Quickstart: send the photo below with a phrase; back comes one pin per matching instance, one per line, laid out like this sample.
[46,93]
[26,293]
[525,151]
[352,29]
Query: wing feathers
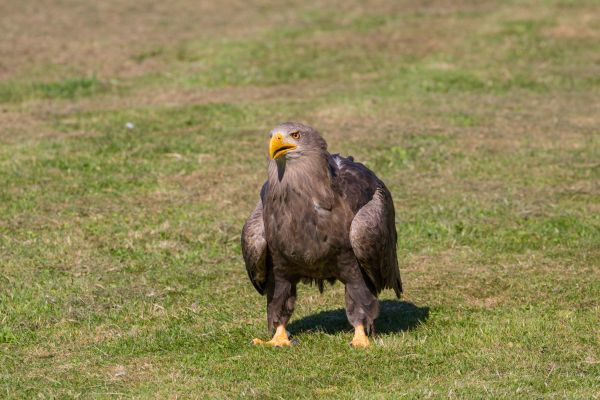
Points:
[254,248]
[373,240]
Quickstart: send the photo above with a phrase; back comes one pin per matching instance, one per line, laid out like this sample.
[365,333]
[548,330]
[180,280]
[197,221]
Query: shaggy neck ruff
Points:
[306,173]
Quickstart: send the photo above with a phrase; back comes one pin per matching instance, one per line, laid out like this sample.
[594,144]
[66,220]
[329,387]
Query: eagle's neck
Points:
[308,175]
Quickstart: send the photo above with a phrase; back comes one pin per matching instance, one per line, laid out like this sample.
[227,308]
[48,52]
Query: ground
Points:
[132,147]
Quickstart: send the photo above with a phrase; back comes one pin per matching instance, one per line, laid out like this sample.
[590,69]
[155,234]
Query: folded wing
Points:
[254,248]
[373,228]
[373,240]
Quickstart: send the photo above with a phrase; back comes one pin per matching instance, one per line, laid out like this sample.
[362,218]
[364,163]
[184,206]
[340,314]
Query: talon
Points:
[282,343]
[280,339]
[360,339]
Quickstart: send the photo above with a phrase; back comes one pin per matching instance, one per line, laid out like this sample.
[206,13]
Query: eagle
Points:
[320,217]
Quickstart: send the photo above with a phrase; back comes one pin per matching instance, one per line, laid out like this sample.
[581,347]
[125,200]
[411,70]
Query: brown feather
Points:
[254,248]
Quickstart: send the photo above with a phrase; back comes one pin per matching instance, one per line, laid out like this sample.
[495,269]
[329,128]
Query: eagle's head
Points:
[291,140]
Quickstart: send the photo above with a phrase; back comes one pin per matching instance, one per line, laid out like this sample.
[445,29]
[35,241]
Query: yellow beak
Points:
[278,147]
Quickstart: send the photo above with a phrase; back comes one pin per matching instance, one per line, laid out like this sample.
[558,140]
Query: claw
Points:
[280,339]
[273,342]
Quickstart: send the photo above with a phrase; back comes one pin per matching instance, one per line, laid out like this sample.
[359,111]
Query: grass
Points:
[129,163]
[66,89]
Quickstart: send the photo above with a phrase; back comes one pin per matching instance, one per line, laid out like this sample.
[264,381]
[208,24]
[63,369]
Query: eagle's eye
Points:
[295,135]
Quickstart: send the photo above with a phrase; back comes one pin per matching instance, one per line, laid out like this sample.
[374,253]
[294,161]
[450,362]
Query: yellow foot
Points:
[360,339]
[272,342]
[280,339]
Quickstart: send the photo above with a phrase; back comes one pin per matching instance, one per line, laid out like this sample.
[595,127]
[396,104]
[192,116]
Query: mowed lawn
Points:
[133,145]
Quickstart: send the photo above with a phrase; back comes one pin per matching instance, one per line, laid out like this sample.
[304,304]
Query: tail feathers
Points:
[397,287]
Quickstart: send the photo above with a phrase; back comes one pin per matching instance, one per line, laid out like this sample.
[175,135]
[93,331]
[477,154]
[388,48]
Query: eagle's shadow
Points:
[394,316]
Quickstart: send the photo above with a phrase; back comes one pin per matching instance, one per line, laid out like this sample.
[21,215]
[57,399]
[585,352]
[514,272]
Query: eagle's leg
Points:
[281,298]
[362,306]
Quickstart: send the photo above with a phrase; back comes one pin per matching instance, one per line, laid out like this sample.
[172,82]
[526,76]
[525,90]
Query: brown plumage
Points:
[320,217]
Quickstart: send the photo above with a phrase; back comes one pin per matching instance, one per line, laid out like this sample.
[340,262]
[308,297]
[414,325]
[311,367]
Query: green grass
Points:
[120,266]
[67,89]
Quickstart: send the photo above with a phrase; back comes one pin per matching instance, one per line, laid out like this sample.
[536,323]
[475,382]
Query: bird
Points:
[320,217]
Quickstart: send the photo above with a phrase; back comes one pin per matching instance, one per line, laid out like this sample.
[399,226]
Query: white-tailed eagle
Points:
[320,217]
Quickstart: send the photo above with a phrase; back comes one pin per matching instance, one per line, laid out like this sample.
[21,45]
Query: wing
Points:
[255,249]
[373,228]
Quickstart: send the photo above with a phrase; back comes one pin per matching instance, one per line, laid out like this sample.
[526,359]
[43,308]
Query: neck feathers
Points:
[309,174]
